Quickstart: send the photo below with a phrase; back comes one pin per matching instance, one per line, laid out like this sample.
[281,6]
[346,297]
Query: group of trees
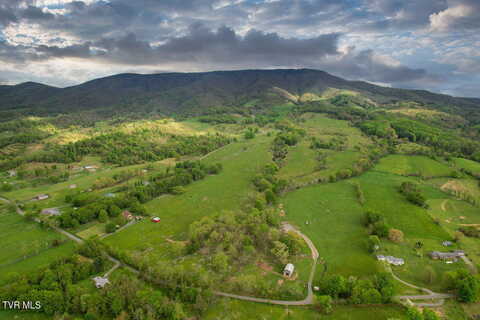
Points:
[443,141]
[269,185]
[412,192]
[57,286]
[172,180]
[138,147]
[89,206]
[335,143]
[288,136]
[466,285]
[375,290]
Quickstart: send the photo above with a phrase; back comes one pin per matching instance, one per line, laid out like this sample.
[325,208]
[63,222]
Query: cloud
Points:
[460,15]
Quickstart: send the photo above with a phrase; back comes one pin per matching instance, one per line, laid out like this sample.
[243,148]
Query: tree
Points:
[110,227]
[395,235]
[220,262]
[429,315]
[414,314]
[335,286]
[102,216]
[280,251]
[325,304]
[373,243]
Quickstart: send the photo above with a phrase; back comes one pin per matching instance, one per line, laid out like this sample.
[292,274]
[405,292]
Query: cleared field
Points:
[227,191]
[334,220]
[240,310]
[470,165]
[409,165]
[97,229]
[22,238]
[301,163]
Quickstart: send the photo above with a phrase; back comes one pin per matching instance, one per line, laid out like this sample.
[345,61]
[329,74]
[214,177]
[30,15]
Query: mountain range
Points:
[177,92]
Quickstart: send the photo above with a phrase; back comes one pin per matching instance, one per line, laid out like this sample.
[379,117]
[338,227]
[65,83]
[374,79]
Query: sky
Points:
[420,44]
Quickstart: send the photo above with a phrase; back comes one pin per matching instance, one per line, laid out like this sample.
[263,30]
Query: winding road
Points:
[430,295]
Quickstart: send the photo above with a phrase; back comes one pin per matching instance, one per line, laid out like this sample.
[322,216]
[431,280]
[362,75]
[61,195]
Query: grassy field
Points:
[467,164]
[26,245]
[301,165]
[227,191]
[408,165]
[241,310]
[334,225]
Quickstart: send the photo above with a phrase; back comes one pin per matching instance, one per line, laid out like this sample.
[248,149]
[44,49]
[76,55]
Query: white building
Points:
[391,260]
[288,270]
[100,282]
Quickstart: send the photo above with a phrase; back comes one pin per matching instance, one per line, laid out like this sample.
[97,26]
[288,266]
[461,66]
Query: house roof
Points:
[100,282]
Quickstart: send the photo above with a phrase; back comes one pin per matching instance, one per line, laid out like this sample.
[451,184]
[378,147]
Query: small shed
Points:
[51,212]
[12,173]
[110,195]
[155,219]
[447,243]
[73,186]
[288,270]
[100,282]
[42,197]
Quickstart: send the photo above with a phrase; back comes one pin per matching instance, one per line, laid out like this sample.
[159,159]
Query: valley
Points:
[358,175]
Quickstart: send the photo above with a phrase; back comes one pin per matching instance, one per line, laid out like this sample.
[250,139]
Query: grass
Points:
[22,315]
[470,165]
[227,191]
[408,165]
[97,229]
[22,238]
[242,310]
[334,225]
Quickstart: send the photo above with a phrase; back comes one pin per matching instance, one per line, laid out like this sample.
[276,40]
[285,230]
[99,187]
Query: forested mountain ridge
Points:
[189,92]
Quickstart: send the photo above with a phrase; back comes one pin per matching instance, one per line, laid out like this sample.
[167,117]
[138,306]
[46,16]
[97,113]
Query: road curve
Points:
[430,295]
[308,299]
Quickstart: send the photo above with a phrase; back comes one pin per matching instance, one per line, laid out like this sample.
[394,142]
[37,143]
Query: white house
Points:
[51,212]
[391,260]
[288,270]
[42,197]
[100,282]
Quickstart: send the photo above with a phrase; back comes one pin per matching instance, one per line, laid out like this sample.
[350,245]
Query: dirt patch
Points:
[453,185]
[174,241]
[280,282]
[264,266]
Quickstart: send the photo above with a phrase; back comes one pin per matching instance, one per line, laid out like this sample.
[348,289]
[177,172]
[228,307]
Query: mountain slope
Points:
[178,92]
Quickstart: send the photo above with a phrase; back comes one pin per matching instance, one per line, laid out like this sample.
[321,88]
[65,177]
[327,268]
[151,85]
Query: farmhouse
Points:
[51,212]
[110,195]
[73,186]
[391,260]
[156,219]
[288,270]
[42,197]
[127,215]
[100,282]
[12,173]
[447,243]
[454,255]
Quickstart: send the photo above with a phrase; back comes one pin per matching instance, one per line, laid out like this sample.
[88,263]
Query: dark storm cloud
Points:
[366,65]
[201,44]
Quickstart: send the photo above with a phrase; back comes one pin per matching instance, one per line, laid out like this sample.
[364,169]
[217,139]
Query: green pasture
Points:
[329,214]
[470,165]
[227,191]
[408,165]
[241,310]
